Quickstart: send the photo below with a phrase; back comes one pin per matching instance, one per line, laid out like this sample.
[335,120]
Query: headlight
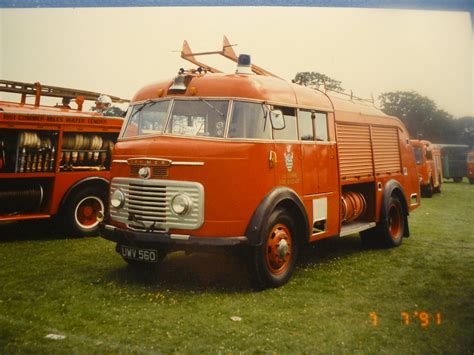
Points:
[181,204]
[118,199]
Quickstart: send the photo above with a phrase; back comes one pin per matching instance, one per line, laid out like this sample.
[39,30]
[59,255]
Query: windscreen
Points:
[147,118]
[418,155]
[202,118]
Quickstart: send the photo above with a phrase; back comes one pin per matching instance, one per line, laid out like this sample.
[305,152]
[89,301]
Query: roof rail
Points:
[227,51]
[39,90]
[352,96]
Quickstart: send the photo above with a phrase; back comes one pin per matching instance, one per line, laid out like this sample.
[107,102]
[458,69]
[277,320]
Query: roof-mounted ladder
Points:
[227,51]
[38,90]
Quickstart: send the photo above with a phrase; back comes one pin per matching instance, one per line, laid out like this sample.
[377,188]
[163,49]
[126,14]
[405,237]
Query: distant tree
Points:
[465,130]
[317,80]
[421,116]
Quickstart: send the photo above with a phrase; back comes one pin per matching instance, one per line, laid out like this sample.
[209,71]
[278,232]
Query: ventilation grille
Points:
[386,150]
[355,152]
[356,159]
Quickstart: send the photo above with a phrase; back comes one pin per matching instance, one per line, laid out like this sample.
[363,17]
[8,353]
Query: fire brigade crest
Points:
[289,159]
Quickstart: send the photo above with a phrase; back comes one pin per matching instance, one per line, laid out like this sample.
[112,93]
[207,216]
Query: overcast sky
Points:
[118,50]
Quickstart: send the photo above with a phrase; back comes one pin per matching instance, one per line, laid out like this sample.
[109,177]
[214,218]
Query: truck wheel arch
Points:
[82,202]
[393,187]
[87,182]
[279,197]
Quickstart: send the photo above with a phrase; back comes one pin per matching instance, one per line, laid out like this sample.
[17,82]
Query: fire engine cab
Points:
[248,159]
[54,160]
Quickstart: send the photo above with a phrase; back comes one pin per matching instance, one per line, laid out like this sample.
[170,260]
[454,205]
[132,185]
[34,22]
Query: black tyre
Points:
[390,230]
[392,225]
[427,190]
[81,210]
[471,181]
[438,188]
[273,262]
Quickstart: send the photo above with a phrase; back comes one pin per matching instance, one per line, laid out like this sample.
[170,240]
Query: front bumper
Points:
[131,237]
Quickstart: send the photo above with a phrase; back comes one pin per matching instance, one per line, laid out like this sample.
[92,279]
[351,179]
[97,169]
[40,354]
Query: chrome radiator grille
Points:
[147,204]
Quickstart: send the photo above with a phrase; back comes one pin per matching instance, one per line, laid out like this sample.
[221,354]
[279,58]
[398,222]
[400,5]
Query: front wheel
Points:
[274,261]
[471,181]
[82,209]
[427,190]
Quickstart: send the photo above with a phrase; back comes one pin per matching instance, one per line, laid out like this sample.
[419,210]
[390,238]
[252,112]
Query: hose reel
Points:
[353,206]
[21,200]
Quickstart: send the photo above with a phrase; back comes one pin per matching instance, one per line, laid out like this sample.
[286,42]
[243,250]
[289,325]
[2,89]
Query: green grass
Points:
[82,289]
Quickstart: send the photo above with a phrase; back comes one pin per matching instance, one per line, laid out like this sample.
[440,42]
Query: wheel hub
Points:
[88,211]
[282,248]
[279,249]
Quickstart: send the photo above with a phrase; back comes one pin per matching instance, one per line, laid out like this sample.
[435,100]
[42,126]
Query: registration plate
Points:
[148,255]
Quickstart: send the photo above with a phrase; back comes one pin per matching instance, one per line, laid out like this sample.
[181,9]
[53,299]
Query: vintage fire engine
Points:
[470,166]
[54,160]
[429,166]
[248,159]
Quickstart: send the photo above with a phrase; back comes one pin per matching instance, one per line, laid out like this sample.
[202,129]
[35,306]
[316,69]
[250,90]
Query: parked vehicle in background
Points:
[470,166]
[247,159]
[54,160]
[428,166]
[454,158]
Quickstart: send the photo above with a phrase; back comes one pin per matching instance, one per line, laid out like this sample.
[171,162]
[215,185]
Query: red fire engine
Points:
[54,160]
[248,159]
[470,166]
[428,164]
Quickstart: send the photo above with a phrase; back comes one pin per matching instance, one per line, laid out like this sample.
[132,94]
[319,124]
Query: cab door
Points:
[287,150]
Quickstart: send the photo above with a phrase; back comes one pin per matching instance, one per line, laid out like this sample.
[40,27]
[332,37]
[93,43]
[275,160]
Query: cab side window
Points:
[290,131]
[250,121]
[305,122]
[321,122]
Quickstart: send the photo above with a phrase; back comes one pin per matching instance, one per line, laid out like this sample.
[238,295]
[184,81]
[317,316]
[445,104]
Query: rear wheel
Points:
[274,261]
[82,209]
[391,228]
[471,181]
[393,225]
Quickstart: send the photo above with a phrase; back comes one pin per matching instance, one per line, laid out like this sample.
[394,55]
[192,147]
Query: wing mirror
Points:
[277,119]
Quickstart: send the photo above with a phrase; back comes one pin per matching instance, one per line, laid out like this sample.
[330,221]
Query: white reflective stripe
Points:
[191,163]
[179,236]
[109,227]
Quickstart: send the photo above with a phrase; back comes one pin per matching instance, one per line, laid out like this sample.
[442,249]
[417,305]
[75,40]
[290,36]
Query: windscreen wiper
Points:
[212,106]
[147,103]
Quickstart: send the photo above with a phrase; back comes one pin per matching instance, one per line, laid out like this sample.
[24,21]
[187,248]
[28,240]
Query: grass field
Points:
[342,298]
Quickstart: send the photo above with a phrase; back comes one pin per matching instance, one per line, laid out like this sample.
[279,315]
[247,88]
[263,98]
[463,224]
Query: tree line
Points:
[420,114]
